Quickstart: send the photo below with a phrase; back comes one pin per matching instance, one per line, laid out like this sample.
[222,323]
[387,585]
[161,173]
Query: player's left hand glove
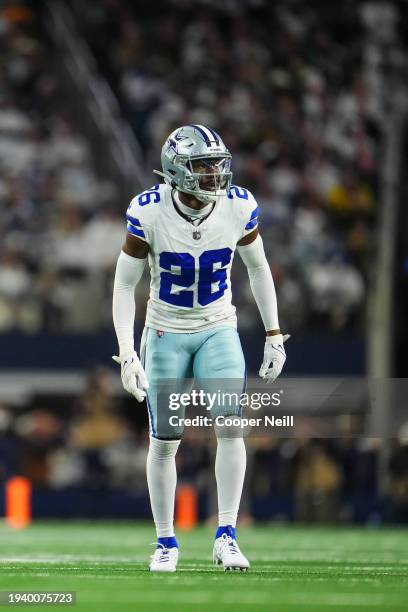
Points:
[274,357]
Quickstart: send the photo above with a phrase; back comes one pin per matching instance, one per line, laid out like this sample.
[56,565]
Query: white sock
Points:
[230,464]
[162,480]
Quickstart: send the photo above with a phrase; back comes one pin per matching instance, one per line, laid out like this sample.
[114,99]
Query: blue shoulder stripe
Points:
[251,224]
[133,221]
[253,219]
[135,231]
[254,213]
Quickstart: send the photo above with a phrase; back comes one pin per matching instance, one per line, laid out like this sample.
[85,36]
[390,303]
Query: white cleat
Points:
[164,559]
[226,552]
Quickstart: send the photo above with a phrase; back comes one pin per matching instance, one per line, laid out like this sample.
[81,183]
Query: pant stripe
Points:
[149,408]
[151,419]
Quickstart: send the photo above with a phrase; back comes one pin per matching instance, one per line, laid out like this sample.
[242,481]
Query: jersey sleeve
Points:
[142,212]
[134,219]
[249,214]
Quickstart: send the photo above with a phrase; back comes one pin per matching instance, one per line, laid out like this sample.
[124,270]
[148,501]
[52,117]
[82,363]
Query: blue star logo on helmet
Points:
[171,144]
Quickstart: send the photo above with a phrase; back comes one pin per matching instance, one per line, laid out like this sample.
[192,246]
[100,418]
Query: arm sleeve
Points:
[261,281]
[129,271]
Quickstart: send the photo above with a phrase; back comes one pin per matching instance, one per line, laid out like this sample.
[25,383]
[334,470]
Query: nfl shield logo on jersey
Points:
[196,234]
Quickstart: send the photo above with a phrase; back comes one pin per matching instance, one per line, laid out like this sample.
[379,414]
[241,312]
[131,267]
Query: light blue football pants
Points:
[213,358]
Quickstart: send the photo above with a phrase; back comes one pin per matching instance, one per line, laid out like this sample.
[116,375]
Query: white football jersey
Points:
[190,265]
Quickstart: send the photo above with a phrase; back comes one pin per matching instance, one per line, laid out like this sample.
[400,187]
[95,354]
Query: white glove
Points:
[134,378]
[274,353]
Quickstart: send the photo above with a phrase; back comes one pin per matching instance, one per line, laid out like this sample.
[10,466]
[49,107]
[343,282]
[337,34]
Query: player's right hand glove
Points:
[274,357]
[134,378]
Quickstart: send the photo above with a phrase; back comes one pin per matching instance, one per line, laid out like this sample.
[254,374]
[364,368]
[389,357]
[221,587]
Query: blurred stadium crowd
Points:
[95,447]
[297,92]
[60,225]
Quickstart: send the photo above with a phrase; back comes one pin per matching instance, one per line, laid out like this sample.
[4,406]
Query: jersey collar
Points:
[193,221]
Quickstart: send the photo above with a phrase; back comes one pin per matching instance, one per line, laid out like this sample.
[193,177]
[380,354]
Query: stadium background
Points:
[311,100]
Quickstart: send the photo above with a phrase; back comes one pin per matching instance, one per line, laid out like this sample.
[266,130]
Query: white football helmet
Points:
[196,161]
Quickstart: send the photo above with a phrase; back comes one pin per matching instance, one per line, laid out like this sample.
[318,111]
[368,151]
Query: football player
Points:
[188,228]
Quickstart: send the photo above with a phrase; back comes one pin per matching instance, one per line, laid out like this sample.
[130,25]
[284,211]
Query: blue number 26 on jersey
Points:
[207,275]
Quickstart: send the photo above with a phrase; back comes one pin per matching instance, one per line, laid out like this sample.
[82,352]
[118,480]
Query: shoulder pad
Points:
[246,207]
[238,193]
[143,209]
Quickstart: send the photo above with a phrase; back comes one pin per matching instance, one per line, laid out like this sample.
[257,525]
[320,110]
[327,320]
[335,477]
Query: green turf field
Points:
[293,568]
